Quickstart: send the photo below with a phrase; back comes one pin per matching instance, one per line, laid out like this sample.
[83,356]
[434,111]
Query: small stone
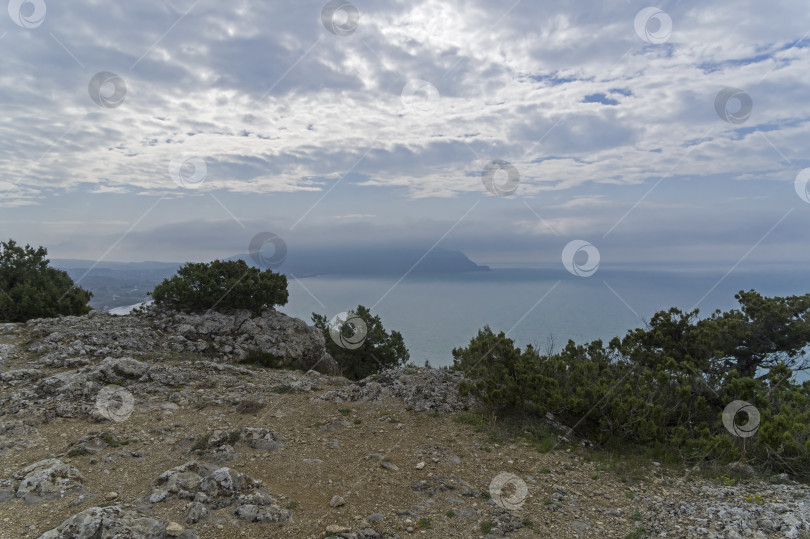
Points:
[420,465]
[464,512]
[174,529]
[580,526]
[335,528]
[110,496]
[158,496]
[389,466]
[336,501]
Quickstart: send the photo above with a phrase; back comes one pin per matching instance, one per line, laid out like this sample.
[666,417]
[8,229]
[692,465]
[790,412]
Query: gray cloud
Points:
[279,108]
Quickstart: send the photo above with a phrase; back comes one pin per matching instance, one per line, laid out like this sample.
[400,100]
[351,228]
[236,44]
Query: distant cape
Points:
[309,262]
[369,261]
[123,284]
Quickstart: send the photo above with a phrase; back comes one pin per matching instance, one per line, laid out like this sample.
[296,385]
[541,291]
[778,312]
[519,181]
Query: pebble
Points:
[337,501]
[174,529]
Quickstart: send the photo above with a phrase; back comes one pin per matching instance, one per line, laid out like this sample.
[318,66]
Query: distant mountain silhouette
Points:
[116,284]
[371,261]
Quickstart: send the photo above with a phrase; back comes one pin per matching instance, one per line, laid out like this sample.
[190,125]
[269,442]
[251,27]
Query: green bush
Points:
[221,285]
[30,289]
[665,387]
[379,351]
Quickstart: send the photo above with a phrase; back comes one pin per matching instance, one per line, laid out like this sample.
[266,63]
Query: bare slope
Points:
[102,435]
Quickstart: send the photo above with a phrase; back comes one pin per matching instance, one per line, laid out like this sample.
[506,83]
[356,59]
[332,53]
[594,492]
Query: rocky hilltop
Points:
[154,425]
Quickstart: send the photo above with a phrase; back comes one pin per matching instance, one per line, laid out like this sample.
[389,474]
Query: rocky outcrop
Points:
[44,480]
[421,389]
[18,434]
[210,488]
[114,522]
[260,438]
[291,340]
[73,341]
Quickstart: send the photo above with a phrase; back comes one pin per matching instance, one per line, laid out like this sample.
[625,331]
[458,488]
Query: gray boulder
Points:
[120,369]
[210,488]
[261,438]
[75,341]
[46,480]
[196,512]
[295,343]
[16,435]
[109,523]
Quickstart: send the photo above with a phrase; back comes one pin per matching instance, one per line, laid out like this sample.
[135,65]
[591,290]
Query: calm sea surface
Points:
[439,312]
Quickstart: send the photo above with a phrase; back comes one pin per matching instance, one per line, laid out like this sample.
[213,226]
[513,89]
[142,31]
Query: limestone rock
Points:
[111,522]
[46,480]
[261,438]
[420,388]
[174,529]
[213,488]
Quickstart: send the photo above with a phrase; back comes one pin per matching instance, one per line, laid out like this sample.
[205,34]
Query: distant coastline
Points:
[122,284]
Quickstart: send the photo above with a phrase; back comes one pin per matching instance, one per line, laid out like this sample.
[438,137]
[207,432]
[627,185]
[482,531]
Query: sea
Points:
[438,312]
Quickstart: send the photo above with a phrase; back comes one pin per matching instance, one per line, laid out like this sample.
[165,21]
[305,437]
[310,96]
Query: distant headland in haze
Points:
[116,284]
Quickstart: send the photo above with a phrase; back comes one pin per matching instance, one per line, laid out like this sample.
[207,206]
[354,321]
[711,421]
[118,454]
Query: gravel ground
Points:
[98,439]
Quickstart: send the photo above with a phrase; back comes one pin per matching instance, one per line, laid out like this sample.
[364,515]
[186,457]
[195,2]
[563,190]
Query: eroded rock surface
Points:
[210,488]
[111,523]
[421,389]
[72,340]
[44,480]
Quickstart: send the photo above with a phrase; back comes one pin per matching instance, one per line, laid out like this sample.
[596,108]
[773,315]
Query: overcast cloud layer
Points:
[240,117]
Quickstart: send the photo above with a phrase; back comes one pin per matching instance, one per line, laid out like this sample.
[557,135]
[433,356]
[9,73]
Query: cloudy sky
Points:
[177,130]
